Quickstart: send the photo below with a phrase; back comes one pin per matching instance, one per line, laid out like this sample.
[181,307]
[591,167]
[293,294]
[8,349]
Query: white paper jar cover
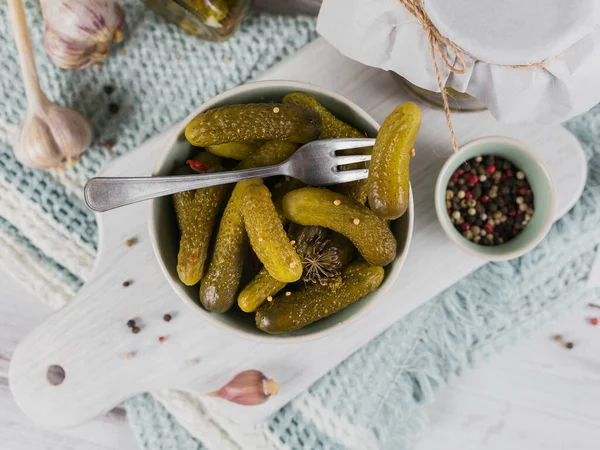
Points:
[495,34]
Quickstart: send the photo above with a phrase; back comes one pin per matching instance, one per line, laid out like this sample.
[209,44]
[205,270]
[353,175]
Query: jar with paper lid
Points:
[524,60]
[214,20]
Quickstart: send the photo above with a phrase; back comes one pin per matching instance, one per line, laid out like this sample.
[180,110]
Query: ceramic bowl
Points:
[538,176]
[165,234]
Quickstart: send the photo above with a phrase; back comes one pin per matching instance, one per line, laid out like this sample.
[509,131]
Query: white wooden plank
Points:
[19,314]
[19,433]
[89,337]
[538,395]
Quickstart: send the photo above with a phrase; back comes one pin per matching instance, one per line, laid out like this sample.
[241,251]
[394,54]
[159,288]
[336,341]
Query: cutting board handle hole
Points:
[55,375]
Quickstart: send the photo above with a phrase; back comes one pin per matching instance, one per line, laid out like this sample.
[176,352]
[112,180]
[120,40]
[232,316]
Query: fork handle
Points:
[105,193]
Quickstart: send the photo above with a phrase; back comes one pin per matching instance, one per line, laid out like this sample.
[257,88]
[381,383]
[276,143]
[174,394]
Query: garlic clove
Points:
[71,131]
[78,33]
[34,145]
[54,138]
[250,387]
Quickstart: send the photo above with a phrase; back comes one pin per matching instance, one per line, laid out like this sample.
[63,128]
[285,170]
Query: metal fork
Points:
[315,163]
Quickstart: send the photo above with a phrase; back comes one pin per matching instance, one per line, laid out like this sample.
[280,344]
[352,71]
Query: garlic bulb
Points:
[78,33]
[250,387]
[50,136]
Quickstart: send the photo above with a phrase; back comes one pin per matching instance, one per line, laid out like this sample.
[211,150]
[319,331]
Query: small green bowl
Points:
[538,176]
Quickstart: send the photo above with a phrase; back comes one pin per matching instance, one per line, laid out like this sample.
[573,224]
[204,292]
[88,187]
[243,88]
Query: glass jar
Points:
[214,20]
[457,101]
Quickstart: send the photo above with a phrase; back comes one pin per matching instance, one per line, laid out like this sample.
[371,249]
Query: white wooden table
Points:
[537,395]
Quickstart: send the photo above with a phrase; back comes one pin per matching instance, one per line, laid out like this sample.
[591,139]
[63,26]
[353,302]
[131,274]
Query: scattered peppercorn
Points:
[594,321]
[108,145]
[129,355]
[109,89]
[569,345]
[558,338]
[130,242]
[113,108]
[488,194]
[162,339]
[127,283]
[131,323]
[167,317]
[135,330]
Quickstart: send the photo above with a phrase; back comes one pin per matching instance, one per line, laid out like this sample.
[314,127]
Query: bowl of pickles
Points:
[273,259]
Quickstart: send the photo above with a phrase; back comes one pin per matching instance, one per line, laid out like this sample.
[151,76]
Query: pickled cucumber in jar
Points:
[214,20]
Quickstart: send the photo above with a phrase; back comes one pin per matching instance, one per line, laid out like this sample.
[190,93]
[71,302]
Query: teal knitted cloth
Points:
[375,399]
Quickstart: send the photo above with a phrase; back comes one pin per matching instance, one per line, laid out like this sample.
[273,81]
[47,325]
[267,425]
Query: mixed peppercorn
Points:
[489,200]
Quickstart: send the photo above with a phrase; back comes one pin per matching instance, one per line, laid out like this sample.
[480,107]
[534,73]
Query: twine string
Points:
[440,45]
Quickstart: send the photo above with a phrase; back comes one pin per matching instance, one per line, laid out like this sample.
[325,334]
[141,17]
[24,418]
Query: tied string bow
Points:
[440,45]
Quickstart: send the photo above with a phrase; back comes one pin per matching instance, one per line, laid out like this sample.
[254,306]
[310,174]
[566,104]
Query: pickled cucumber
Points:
[369,234]
[279,191]
[356,190]
[267,236]
[211,12]
[263,121]
[258,290]
[315,302]
[235,150]
[220,284]
[197,213]
[269,154]
[389,170]
[332,127]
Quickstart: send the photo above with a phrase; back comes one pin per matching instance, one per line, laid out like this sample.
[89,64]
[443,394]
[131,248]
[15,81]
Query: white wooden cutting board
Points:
[89,338]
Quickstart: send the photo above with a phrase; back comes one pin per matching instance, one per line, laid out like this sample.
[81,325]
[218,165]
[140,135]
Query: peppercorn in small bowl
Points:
[495,198]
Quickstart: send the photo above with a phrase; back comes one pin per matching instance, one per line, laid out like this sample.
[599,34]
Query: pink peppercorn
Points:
[594,321]
[490,168]
[468,195]
[515,232]
[522,191]
[460,171]
[484,199]
[508,173]
[512,213]
[489,228]
[466,226]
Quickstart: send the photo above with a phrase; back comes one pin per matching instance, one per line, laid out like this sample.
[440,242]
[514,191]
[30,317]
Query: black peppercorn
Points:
[108,89]
[131,323]
[113,108]
[490,200]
